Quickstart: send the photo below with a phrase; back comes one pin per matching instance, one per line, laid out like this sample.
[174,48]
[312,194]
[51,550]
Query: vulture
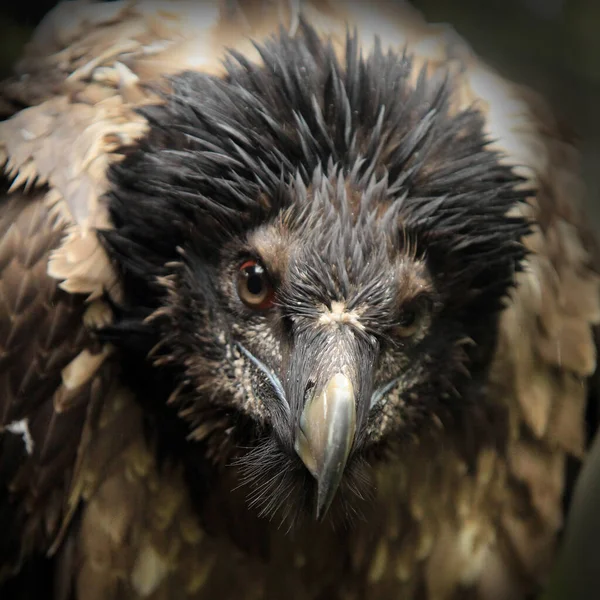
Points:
[298,301]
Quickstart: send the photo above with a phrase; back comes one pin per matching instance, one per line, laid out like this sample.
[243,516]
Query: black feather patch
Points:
[221,154]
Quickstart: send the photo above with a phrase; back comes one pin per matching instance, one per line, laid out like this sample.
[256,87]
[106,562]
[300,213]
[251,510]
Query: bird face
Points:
[317,255]
[327,316]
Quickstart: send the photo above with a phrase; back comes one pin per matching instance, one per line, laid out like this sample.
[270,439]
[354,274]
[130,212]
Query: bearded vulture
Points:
[297,301]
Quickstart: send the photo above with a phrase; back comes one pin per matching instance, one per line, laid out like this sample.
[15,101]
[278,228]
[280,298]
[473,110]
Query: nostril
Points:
[308,389]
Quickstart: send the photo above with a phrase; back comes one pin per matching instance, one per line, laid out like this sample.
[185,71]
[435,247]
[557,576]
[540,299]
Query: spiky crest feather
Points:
[358,160]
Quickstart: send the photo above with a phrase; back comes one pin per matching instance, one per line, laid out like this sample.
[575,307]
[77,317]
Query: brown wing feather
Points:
[547,350]
[43,404]
[82,75]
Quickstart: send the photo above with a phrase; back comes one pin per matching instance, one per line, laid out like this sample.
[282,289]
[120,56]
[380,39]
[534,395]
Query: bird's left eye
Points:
[254,286]
[412,318]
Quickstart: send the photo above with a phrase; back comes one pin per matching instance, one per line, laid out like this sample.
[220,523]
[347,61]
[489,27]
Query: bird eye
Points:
[254,286]
[411,318]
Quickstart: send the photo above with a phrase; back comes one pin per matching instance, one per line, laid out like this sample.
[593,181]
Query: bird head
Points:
[317,249]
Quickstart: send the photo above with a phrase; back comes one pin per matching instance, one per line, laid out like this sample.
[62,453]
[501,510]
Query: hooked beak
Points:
[325,435]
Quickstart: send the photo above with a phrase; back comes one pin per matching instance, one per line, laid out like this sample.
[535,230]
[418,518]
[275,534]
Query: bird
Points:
[297,300]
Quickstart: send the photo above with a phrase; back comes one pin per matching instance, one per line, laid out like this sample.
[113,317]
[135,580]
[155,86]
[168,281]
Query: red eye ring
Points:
[254,285]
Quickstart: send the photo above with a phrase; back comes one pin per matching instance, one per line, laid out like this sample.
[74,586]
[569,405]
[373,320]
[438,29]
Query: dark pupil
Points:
[254,281]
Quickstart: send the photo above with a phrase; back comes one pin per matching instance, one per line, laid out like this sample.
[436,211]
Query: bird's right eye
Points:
[254,286]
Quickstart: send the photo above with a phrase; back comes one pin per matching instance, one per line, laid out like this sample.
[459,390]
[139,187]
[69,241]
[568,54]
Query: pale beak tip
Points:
[325,495]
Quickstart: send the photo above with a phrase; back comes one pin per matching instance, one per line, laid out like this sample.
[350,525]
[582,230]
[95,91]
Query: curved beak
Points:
[325,435]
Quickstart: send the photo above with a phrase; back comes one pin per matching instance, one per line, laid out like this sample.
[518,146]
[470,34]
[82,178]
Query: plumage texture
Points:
[143,450]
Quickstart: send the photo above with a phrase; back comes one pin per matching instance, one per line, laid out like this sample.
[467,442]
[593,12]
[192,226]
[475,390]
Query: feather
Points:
[138,447]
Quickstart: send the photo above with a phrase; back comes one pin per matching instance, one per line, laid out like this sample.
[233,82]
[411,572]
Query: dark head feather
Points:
[370,181]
